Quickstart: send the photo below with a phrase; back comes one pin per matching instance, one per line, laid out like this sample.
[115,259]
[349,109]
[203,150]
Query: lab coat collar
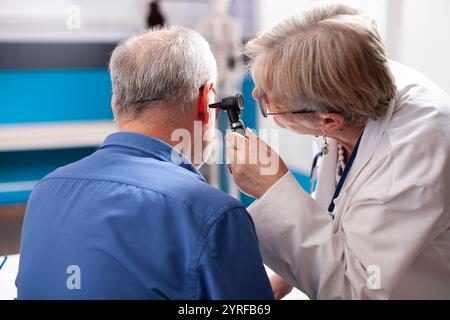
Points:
[370,140]
[369,143]
[152,147]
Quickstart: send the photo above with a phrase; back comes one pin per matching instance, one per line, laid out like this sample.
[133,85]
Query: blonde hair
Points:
[327,59]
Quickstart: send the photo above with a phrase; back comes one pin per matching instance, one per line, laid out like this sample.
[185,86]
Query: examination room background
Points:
[55,89]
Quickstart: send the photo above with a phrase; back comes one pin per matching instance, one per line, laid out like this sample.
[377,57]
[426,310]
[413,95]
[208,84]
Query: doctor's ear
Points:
[331,122]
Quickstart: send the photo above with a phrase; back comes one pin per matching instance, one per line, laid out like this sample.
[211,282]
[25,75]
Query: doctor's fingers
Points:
[251,136]
[236,156]
[256,143]
[236,141]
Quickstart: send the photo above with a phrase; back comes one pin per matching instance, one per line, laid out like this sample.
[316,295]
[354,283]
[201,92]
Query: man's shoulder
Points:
[172,183]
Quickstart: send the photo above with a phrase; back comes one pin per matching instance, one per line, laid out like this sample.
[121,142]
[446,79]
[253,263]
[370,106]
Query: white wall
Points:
[108,20]
[422,38]
[45,20]
[102,20]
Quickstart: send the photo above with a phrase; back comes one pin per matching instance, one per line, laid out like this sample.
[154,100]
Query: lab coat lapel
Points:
[326,183]
[370,141]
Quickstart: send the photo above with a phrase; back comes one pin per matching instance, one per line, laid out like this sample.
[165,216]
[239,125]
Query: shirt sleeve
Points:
[231,267]
[382,232]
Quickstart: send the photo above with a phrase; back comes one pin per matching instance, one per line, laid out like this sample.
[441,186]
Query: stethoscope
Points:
[313,172]
[313,177]
[3,262]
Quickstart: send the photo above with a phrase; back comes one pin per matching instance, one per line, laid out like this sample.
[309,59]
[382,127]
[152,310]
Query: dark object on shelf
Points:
[155,18]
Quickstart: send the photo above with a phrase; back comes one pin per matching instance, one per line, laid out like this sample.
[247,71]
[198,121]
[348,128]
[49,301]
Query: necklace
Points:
[340,167]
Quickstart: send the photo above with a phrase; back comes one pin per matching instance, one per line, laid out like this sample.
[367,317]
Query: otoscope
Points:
[233,106]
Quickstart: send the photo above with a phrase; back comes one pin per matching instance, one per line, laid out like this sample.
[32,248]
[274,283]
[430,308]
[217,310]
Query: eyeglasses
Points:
[263,102]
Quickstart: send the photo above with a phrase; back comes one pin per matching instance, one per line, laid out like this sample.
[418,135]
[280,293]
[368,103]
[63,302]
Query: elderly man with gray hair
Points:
[131,221]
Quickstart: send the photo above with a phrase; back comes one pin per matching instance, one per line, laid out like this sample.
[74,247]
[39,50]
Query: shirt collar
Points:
[152,147]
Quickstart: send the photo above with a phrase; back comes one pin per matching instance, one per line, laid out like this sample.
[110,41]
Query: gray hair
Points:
[166,65]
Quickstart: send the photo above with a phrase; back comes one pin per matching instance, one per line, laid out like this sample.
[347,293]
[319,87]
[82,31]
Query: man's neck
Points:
[160,132]
[156,123]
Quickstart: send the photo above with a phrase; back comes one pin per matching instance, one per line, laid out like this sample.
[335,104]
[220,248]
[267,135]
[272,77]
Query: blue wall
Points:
[48,95]
[32,166]
[54,95]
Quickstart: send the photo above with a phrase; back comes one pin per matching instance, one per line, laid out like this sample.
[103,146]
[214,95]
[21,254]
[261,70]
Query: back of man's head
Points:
[164,69]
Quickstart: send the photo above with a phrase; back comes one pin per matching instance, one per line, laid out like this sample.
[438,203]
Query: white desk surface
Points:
[54,135]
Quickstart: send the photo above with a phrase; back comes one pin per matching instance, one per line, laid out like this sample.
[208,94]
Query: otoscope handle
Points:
[238,127]
[241,131]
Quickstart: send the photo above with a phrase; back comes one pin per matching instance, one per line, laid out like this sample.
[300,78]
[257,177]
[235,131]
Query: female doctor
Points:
[378,224]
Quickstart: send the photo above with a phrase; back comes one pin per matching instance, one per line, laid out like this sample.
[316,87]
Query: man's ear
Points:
[203,102]
[113,107]
[113,103]
[331,122]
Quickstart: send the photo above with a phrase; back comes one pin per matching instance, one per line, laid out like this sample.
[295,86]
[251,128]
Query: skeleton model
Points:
[224,35]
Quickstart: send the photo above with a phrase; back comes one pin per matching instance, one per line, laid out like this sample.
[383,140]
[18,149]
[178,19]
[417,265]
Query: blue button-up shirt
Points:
[128,223]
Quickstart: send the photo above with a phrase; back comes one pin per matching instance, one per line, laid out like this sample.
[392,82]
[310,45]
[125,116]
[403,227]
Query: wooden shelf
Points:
[54,135]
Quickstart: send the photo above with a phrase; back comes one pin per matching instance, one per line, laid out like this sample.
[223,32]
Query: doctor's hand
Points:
[280,287]
[254,165]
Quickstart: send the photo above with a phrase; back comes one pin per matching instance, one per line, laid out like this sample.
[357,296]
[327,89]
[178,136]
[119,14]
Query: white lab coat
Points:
[390,238]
